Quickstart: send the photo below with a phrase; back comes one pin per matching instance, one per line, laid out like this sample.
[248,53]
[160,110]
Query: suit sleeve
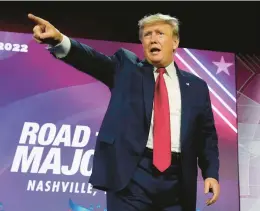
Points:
[86,59]
[208,156]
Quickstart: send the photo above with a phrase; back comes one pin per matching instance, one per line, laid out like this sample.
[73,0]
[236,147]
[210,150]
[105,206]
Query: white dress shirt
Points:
[62,49]
[172,84]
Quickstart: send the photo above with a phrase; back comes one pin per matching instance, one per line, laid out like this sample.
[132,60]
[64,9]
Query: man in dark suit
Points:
[159,123]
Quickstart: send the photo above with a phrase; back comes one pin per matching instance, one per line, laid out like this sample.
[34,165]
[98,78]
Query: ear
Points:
[142,43]
[175,43]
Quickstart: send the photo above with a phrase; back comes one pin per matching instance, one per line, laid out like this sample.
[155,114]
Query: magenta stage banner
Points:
[51,114]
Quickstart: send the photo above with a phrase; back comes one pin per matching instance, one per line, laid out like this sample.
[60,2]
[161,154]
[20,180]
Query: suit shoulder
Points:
[127,54]
[194,78]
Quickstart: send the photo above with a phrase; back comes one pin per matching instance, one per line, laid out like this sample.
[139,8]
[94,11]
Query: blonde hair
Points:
[151,19]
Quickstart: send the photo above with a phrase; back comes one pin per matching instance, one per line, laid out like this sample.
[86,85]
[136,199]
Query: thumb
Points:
[45,35]
[206,187]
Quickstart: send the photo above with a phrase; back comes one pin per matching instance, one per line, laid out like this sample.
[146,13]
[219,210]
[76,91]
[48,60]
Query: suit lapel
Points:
[148,88]
[185,112]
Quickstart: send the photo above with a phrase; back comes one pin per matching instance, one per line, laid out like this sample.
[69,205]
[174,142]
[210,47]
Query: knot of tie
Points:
[161,70]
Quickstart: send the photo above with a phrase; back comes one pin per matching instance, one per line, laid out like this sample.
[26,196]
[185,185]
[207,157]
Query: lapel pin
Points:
[187,84]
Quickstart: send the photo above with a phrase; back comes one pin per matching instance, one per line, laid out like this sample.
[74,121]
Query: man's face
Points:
[159,43]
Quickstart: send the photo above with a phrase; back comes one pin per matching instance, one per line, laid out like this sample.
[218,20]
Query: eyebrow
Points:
[156,30]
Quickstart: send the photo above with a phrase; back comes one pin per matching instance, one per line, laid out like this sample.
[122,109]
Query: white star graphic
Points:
[222,66]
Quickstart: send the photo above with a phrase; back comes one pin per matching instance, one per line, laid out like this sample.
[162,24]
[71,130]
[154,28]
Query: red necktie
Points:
[161,130]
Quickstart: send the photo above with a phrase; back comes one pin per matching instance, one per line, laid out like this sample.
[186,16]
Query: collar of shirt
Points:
[170,70]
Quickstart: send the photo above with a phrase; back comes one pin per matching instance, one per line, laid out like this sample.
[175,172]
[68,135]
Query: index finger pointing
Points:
[36,19]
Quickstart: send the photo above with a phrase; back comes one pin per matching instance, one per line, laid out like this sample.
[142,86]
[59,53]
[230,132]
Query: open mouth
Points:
[155,50]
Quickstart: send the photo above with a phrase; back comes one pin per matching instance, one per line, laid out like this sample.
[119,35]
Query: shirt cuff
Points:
[62,49]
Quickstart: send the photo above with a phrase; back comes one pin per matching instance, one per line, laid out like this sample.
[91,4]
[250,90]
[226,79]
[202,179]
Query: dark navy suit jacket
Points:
[124,131]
